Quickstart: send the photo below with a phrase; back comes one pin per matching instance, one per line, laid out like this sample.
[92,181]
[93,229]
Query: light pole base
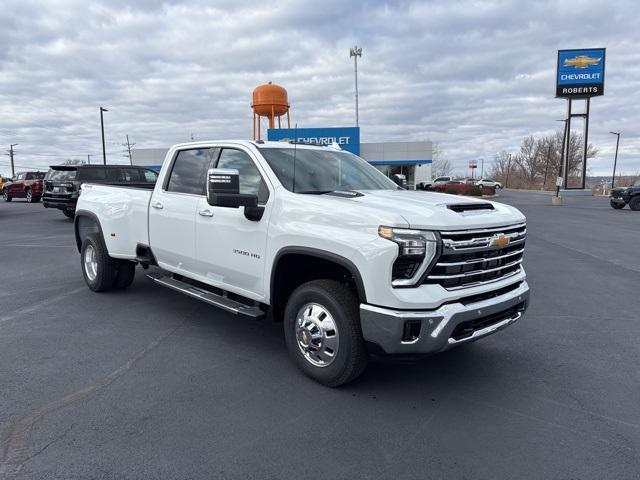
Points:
[556,200]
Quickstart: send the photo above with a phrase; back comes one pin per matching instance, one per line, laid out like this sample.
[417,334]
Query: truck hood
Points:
[430,210]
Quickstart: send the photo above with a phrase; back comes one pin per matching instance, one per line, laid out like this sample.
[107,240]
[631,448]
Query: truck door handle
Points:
[206,213]
[157,205]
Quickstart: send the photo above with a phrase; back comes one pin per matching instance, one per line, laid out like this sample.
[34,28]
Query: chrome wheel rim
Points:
[29,196]
[90,263]
[317,335]
[5,195]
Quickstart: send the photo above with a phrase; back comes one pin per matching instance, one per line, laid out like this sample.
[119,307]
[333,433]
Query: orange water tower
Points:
[269,101]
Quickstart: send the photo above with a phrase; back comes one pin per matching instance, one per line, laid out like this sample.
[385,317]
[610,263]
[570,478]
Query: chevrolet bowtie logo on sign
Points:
[581,61]
[580,73]
[499,241]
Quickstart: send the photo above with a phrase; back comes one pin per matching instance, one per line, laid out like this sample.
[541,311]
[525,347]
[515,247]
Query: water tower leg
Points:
[254,126]
[288,120]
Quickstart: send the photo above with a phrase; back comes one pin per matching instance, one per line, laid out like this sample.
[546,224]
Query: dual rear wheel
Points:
[101,272]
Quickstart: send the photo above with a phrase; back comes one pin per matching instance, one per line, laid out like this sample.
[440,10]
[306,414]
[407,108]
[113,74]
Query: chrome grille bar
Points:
[475,272]
[479,260]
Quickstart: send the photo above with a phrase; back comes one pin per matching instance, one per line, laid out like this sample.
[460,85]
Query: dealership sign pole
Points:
[579,76]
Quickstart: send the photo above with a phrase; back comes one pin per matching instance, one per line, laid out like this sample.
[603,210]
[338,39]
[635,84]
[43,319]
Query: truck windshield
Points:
[323,171]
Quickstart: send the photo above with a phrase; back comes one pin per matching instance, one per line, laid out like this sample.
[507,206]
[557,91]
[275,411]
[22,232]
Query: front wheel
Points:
[634,204]
[69,213]
[323,333]
[29,196]
[617,206]
[5,195]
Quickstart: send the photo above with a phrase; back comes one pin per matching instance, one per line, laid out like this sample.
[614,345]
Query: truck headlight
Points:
[416,250]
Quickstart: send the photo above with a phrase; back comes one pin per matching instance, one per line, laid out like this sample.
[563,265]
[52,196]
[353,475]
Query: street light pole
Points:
[104,152]
[615,159]
[356,52]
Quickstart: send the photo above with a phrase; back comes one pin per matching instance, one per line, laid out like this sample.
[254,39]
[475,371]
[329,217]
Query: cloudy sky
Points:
[475,77]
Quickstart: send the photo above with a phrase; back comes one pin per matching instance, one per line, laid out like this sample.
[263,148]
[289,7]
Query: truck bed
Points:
[123,212]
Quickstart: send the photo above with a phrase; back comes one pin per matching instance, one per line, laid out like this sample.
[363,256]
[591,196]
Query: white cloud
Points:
[475,77]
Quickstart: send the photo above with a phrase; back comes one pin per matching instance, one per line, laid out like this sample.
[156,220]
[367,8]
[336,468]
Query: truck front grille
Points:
[475,257]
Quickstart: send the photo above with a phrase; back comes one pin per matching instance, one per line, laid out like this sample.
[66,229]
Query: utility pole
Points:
[481,168]
[10,153]
[356,52]
[89,159]
[615,159]
[506,182]
[104,152]
[128,145]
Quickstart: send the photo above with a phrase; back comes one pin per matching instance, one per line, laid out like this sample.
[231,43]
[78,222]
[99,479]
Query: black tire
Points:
[617,206]
[126,274]
[343,305]
[634,203]
[28,195]
[6,196]
[69,213]
[36,199]
[106,267]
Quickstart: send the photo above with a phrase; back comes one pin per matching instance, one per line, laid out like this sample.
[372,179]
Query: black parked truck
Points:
[622,196]
[63,183]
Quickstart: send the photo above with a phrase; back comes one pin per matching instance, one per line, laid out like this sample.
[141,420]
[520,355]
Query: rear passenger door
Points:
[172,209]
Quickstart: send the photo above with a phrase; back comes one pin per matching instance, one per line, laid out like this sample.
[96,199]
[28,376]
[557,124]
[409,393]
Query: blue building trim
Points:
[399,162]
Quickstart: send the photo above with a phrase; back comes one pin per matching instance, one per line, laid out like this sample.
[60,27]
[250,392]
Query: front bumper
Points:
[618,200]
[430,331]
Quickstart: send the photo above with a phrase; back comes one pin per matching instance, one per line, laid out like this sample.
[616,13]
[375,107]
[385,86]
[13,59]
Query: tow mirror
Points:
[223,189]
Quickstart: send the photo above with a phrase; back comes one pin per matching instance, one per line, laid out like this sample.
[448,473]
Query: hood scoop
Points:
[470,207]
[345,193]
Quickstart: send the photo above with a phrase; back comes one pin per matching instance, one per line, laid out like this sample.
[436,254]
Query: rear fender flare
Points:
[80,214]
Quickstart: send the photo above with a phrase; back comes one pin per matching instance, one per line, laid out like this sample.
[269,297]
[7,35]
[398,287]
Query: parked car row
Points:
[439,183]
[61,186]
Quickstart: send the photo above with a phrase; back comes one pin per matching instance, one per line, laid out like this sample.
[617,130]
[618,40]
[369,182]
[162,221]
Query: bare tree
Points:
[538,161]
[73,161]
[440,166]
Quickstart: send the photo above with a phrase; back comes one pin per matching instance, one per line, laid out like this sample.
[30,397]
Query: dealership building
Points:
[411,159]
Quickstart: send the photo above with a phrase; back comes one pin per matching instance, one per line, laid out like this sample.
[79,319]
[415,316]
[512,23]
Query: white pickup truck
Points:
[352,263]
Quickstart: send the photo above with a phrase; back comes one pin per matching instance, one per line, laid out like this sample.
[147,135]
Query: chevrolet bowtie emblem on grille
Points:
[581,61]
[499,241]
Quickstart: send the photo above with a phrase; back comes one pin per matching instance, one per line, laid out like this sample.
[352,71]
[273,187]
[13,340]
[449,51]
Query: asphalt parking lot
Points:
[147,383]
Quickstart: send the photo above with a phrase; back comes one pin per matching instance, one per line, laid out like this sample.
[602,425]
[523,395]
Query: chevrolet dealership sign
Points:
[580,73]
[347,137]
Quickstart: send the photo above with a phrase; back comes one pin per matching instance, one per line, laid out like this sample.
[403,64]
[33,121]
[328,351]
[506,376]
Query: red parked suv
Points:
[24,185]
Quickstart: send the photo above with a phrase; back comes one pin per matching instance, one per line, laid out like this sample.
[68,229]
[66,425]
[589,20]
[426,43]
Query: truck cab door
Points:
[172,209]
[231,249]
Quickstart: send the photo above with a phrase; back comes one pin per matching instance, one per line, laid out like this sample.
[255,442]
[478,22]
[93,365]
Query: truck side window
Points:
[250,180]
[189,171]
